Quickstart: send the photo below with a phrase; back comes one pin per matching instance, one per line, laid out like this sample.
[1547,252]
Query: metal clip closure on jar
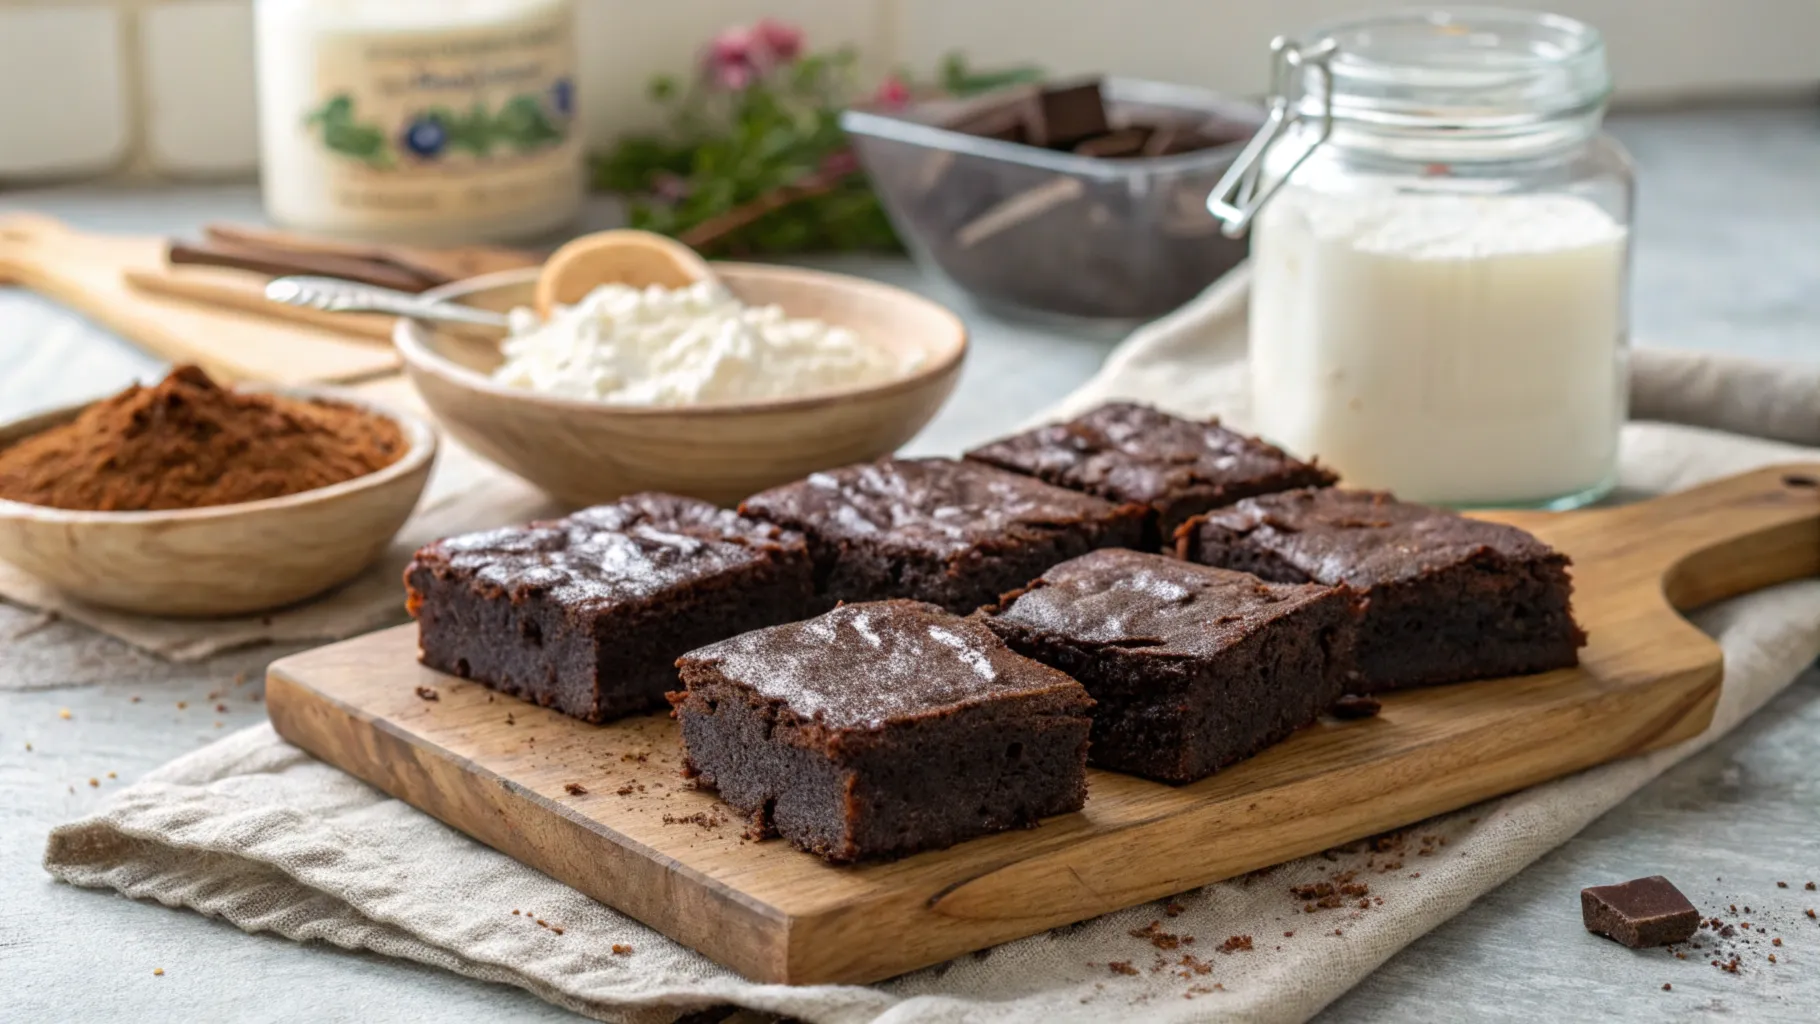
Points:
[1236,199]
[1440,256]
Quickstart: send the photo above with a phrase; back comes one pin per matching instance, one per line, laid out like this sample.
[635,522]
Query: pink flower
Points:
[731,58]
[783,41]
[892,92]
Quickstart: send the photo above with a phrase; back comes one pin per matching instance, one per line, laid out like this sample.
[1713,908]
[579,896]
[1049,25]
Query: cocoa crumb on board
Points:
[1336,931]
[1289,935]
[640,757]
[1122,967]
[1781,885]
[1775,942]
[427,693]
[621,949]
[1809,887]
[1235,943]
[1173,909]
[510,720]
[1666,987]
[627,790]
[575,789]
[221,709]
[706,819]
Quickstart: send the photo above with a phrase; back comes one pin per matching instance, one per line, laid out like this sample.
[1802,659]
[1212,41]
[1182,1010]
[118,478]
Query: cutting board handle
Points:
[1727,537]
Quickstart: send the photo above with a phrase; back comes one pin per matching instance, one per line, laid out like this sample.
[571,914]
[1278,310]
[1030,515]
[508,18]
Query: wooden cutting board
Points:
[498,768]
[91,274]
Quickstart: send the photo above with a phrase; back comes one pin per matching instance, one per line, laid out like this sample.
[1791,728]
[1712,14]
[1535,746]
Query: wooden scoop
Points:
[637,258]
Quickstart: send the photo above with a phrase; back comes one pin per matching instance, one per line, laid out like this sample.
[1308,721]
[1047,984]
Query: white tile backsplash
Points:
[74,101]
[623,43]
[197,84]
[1659,48]
[64,105]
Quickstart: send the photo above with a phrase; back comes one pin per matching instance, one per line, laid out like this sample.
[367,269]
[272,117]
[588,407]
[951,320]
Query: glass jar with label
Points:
[1440,252]
[430,121]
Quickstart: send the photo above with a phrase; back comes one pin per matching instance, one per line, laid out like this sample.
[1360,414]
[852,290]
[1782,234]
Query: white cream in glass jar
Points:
[431,121]
[1440,258]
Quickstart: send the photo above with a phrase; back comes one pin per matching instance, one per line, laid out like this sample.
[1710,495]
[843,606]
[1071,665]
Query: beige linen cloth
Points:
[254,831]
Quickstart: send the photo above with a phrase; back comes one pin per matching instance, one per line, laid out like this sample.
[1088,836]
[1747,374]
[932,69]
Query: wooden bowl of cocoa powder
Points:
[217,559]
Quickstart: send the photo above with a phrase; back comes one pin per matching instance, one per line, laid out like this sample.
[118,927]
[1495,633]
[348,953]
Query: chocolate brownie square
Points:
[1178,467]
[956,534]
[1447,598]
[588,614]
[881,729]
[1191,668]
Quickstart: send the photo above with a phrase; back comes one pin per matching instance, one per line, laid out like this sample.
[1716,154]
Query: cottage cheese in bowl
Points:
[668,347]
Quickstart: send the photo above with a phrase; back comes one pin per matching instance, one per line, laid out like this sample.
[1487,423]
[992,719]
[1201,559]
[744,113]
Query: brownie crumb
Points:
[621,949]
[706,819]
[1810,912]
[1173,909]
[1153,932]
[1775,942]
[1666,987]
[1336,931]
[1122,967]
[514,913]
[1809,887]
[1195,964]
[1353,707]
[423,693]
[557,930]
[1781,885]
[1772,958]
[510,720]
[575,789]
[641,757]
[221,709]
[1289,935]
[626,790]
[1236,943]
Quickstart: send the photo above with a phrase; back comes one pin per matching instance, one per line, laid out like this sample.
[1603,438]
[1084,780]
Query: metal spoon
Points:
[334,295]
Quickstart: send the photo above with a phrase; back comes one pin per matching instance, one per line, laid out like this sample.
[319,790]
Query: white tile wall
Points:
[197,87]
[64,106]
[65,69]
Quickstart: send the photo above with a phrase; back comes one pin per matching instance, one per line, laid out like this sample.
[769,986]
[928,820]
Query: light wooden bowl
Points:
[227,559]
[587,452]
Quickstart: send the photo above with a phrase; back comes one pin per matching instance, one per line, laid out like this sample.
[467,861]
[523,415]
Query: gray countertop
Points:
[1727,258]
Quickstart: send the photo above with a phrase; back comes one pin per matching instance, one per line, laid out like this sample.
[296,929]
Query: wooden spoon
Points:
[637,258]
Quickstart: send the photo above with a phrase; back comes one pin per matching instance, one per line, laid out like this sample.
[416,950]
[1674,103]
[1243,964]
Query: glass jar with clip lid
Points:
[1440,251]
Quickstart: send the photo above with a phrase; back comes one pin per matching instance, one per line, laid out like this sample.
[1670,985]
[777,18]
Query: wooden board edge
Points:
[741,933]
[954,920]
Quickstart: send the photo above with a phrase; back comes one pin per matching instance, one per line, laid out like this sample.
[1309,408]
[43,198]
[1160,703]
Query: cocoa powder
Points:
[187,442]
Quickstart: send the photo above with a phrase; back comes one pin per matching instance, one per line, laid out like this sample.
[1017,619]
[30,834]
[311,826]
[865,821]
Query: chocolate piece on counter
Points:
[1121,142]
[1070,116]
[1352,706]
[1639,913]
